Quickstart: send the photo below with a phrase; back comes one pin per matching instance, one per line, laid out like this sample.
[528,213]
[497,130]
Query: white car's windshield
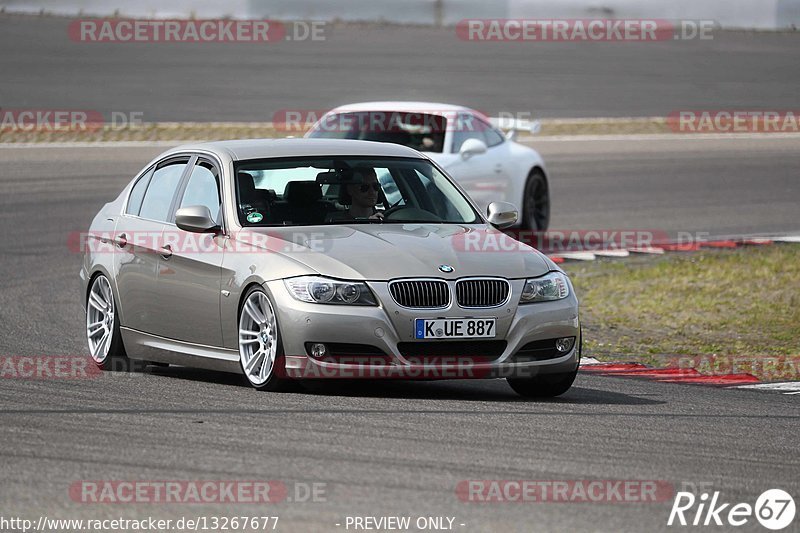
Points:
[325,190]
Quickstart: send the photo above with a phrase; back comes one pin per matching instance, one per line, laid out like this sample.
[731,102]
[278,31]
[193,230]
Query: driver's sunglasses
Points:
[366,186]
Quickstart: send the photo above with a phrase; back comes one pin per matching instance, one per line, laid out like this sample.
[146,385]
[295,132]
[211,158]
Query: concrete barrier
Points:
[751,14]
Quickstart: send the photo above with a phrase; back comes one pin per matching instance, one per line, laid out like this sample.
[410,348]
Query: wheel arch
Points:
[541,169]
[97,271]
[244,292]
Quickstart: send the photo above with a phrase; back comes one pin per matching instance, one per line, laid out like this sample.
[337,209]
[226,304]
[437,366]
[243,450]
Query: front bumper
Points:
[388,324]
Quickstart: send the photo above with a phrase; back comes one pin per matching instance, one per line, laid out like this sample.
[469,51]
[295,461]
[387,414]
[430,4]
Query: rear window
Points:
[420,131]
[137,193]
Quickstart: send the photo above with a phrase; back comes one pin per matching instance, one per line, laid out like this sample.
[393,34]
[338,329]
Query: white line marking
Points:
[790,238]
[660,137]
[748,242]
[537,139]
[589,361]
[647,250]
[612,253]
[98,144]
[787,387]
[576,256]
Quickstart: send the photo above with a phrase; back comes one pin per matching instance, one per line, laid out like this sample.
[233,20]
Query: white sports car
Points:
[471,147]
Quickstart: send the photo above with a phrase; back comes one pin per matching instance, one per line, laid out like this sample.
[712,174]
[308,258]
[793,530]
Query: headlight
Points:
[552,286]
[315,289]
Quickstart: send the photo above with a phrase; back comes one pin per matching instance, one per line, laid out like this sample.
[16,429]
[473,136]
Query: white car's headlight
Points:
[316,289]
[552,286]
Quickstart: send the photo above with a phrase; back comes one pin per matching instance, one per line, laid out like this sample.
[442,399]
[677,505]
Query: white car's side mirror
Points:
[472,147]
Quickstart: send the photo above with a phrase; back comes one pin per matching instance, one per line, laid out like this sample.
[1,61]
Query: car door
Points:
[138,237]
[189,274]
[483,176]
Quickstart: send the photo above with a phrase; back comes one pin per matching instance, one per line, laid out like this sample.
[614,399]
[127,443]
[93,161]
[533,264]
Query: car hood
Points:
[388,251]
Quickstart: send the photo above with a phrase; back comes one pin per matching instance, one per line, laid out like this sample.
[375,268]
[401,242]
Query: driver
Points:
[362,195]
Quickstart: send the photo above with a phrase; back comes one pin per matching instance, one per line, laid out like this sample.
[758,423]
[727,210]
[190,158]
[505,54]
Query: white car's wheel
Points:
[536,207]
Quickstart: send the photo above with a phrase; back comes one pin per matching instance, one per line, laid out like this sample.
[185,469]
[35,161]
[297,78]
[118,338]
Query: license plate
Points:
[454,328]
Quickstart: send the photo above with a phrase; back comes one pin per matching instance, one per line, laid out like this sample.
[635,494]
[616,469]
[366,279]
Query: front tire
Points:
[543,385]
[102,327]
[260,350]
[536,202]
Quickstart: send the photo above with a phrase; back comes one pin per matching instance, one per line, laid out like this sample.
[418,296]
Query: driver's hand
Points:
[377,216]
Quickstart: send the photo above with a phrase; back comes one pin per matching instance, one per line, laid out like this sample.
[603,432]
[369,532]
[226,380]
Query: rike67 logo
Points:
[774,509]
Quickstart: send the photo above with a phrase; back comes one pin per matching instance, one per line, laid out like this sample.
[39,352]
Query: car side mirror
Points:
[472,147]
[196,219]
[502,214]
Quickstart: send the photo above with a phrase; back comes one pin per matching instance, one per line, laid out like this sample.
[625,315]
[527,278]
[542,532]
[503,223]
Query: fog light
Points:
[565,344]
[318,351]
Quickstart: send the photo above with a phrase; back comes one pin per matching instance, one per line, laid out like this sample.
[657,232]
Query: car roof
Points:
[432,108]
[241,150]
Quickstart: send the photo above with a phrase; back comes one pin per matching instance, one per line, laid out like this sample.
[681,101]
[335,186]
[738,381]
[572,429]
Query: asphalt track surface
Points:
[42,68]
[396,448]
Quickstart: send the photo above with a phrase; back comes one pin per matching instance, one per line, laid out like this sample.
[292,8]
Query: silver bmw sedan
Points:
[296,259]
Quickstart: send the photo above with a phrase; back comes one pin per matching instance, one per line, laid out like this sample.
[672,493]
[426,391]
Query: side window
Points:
[137,193]
[159,195]
[203,189]
[467,127]
[493,137]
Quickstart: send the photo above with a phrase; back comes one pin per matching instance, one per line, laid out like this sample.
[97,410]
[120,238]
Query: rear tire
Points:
[102,327]
[536,202]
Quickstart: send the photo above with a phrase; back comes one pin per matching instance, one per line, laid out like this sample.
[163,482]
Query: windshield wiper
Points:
[365,221]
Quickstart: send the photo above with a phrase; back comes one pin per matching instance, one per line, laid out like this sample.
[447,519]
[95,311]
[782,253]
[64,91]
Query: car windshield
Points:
[347,190]
[420,131]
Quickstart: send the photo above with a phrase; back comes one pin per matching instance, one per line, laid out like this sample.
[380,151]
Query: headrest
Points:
[302,192]
[247,187]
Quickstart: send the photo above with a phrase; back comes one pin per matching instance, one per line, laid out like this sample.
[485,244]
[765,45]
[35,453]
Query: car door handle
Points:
[166,252]
[498,168]
[121,240]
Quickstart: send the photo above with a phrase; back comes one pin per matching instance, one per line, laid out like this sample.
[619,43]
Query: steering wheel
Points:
[393,209]
[411,213]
